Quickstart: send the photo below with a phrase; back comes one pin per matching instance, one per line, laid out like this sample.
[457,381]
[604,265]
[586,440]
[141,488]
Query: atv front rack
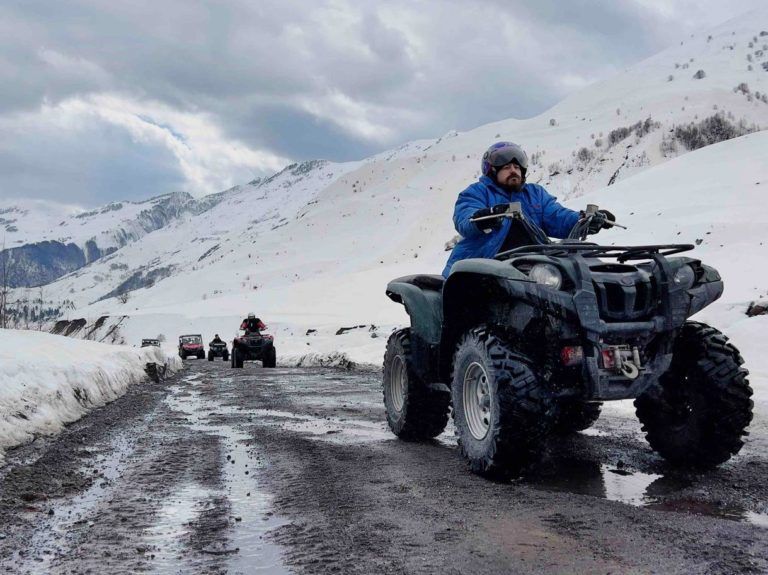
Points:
[589,250]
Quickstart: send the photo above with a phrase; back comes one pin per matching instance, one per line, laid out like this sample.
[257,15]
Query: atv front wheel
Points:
[271,358]
[501,411]
[573,416]
[210,356]
[415,410]
[697,413]
[236,361]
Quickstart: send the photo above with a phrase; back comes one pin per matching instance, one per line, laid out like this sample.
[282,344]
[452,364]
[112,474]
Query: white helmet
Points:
[251,315]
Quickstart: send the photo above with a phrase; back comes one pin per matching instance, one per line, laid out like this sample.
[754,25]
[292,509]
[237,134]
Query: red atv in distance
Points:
[191,345]
[253,346]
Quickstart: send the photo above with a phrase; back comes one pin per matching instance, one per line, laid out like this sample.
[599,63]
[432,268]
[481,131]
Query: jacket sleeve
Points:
[558,220]
[468,202]
[261,325]
[243,325]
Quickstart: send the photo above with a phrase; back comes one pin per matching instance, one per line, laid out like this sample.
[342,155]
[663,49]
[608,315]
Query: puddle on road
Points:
[170,527]
[631,487]
[332,429]
[594,432]
[697,507]
[245,545]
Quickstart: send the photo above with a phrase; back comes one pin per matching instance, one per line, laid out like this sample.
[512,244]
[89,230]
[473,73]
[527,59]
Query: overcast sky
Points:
[133,98]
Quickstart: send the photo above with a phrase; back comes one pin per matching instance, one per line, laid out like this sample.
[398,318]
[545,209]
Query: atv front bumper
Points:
[579,312]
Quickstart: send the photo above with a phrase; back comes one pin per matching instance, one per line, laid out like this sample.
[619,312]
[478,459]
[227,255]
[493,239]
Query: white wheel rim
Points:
[477,400]
[398,383]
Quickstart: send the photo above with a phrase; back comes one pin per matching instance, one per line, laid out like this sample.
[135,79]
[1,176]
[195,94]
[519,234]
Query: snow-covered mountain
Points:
[313,246]
[46,240]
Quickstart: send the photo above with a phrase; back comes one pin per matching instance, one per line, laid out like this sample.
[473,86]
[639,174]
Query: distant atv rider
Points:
[217,339]
[504,167]
[252,324]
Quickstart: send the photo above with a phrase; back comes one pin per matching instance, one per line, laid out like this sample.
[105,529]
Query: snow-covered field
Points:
[48,381]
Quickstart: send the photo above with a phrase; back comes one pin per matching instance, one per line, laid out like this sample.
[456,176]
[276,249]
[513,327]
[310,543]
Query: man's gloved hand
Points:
[490,223]
[601,220]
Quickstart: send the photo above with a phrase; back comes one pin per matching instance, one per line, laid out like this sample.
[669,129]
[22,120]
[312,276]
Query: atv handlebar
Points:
[580,229]
[515,210]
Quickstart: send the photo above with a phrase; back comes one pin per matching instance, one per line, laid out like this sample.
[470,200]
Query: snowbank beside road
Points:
[47,380]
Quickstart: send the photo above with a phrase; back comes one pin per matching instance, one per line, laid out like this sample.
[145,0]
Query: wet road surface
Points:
[293,470]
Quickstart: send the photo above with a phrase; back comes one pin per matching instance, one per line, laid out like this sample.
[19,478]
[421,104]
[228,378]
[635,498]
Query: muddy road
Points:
[293,470]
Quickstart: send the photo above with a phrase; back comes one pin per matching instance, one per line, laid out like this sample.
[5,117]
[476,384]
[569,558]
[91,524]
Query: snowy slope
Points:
[49,380]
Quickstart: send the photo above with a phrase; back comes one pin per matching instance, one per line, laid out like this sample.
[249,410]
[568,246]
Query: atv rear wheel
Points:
[501,411]
[697,413]
[415,410]
[573,416]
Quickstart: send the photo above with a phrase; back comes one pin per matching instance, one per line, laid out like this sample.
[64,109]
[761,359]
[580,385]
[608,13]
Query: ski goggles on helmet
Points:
[502,156]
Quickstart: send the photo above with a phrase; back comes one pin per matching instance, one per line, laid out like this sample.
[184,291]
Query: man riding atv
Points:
[253,345]
[484,234]
[218,348]
[252,324]
[523,343]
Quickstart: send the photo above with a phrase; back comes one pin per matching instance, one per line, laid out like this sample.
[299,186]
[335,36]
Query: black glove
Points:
[601,219]
[491,223]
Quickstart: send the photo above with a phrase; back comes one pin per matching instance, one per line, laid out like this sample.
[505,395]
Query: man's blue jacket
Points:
[539,207]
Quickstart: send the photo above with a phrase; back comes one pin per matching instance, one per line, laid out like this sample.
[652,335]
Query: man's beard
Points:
[514,187]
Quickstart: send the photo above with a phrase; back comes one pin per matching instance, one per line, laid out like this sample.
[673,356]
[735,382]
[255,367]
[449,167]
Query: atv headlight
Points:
[684,276]
[546,274]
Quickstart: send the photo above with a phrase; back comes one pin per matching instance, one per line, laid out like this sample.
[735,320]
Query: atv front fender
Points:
[704,294]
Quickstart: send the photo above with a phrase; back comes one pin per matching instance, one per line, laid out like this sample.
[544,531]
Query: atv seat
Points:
[423,281]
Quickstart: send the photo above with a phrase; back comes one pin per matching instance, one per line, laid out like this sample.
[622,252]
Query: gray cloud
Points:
[194,95]
[90,164]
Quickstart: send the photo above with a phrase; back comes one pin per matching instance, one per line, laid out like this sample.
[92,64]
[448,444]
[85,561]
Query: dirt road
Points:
[293,470]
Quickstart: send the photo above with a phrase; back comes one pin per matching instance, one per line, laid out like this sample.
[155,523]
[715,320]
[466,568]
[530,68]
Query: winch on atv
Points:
[530,344]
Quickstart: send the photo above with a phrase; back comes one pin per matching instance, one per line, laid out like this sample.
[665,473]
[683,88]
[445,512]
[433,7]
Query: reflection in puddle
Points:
[698,507]
[632,488]
[595,479]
